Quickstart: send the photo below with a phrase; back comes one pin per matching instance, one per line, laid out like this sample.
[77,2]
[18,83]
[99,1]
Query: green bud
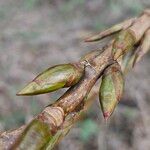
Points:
[35,136]
[54,78]
[123,43]
[111,89]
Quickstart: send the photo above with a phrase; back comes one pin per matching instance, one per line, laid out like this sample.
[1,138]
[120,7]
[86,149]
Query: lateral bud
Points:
[111,89]
[41,130]
[114,29]
[35,136]
[54,78]
[124,42]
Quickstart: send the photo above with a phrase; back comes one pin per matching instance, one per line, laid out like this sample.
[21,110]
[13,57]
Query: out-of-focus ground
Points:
[36,34]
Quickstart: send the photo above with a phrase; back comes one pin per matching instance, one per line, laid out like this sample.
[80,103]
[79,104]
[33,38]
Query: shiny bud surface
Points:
[35,136]
[123,43]
[111,89]
[54,78]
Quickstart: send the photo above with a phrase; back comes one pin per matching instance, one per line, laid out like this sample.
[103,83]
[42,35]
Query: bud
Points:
[111,89]
[35,136]
[114,29]
[45,128]
[123,43]
[54,78]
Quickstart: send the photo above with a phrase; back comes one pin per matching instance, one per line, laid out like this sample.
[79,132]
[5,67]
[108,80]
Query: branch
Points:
[55,121]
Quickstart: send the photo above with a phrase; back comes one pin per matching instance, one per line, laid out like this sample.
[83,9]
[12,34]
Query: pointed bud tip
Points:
[87,40]
[93,38]
[20,93]
[30,89]
[106,115]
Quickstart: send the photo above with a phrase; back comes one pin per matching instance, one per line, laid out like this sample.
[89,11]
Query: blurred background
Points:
[36,34]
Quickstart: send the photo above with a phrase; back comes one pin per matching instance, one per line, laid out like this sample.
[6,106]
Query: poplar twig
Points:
[55,121]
